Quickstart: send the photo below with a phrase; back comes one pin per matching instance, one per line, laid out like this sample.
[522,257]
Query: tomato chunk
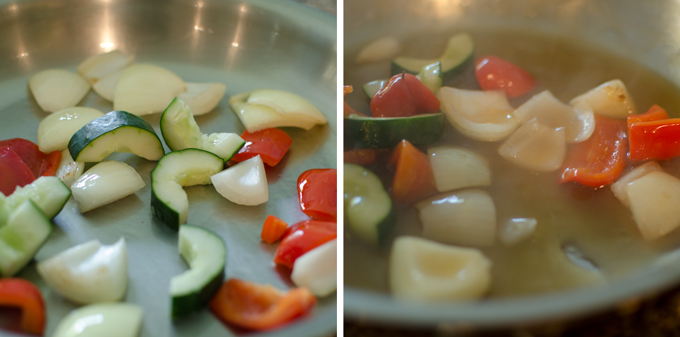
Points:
[259,307]
[21,294]
[494,73]
[270,144]
[413,177]
[600,159]
[361,157]
[317,192]
[303,237]
[404,95]
[13,171]
[273,229]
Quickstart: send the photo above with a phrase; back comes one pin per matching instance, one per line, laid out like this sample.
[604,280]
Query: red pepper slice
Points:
[361,157]
[317,191]
[494,73]
[303,237]
[348,110]
[600,159]
[413,178]
[659,140]
[270,144]
[39,163]
[13,171]
[19,293]
[259,307]
[273,229]
[403,96]
[654,113]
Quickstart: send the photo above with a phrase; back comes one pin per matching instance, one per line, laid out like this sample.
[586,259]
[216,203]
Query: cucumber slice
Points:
[25,231]
[430,75]
[116,131]
[180,131]
[368,208]
[188,167]
[387,132]
[48,193]
[457,55]
[205,252]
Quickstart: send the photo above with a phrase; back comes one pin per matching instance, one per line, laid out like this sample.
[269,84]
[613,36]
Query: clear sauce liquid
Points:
[592,222]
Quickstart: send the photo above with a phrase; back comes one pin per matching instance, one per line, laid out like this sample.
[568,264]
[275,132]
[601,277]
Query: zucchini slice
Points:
[25,231]
[48,193]
[368,208]
[180,131]
[116,131]
[457,55]
[386,132]
[188,167]
[205,252]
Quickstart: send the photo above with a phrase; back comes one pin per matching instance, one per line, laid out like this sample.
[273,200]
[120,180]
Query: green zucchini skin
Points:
[185,305]
[89,134]
[387,132]
[457,57]
[162,213]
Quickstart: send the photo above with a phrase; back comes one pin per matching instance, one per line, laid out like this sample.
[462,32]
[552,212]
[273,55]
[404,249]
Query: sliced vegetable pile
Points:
[392,160]
[95,274]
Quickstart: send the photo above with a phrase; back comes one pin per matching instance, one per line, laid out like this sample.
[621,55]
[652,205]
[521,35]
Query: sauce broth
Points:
[591,222]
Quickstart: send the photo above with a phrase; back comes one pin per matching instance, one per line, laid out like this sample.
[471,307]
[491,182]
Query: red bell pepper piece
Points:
[270,144]
[413,177]
[21,294]
[39,163]
[317,192]
[348,110]
[600,159]
[654,113]
[361,157]
[494,73]
[259,307]
[13,171]
[403,96]
[659,140]
[273,229]
[303,237]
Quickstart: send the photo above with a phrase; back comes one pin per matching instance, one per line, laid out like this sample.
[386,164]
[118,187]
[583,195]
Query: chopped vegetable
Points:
[368,208]
[387,132]
[317,192]
[21,294]
[15,173]
[270,144]
[56,130]
[481,115]
[363,157]
[459,51]
[273,229]
[203,97]
[610,99]
[99,66]
[423,270]
[536,147]
[316,270]
[348,110]
[244,183]
[494,73]
[57,89]
[654,200]
[102,320]
[144,88]
[39,163]
[301,238]
[106,87]
[601,159]
[259,307]
[69,170]
[655,113]
[457,167]
[383,48]
[48,193]
[517,229]
[620,187]
[657,140]
[105,183]
[89,272]
[265,108]
[405,95]
[413,177]
[24,232]
[466,217]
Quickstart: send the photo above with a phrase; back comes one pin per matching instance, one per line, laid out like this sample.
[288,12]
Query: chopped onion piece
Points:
[620,187]
[654,200]
[55,130]
[517,229]
[423,270]
[610,99]
[203,97]
[69,171]
[102,320]
[102,65]
[57,89]
[106,87]
[260,117]
[144,88]
[287,104]
[105,183]
[536,147]
[481,115]
[316,270]
[578,122]
[465,218]
[89,272]
[244,183]
[456,167]
[384,48]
